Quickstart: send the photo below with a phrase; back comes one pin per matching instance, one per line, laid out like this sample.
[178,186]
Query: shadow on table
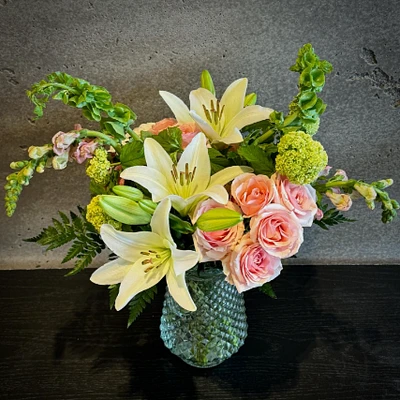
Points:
[281,334]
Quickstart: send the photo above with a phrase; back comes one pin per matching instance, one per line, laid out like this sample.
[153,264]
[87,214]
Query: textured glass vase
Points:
[215,331]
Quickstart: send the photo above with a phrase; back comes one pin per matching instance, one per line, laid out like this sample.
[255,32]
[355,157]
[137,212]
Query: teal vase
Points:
[215,331]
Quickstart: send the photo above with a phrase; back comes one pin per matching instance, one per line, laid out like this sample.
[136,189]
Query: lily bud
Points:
[250,99]
[124,210]
[218,219]
[367,191]
[36,152]
[128,192]
[147,205]
[206,82]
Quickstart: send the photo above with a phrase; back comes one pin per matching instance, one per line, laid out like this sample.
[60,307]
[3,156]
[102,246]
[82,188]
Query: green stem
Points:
[264,136]
[340,184]
[107,139]
[131,133]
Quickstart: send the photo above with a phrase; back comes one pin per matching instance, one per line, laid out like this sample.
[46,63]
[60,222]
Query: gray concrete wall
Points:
[136,48]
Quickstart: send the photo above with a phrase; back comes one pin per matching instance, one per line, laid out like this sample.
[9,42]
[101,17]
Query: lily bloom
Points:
[220,120]
[185,183]
[145,258]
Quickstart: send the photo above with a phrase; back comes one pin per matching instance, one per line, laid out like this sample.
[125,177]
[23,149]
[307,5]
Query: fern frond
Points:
[139,303]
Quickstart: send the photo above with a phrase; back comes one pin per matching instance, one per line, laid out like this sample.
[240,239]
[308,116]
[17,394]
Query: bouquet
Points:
[224,184]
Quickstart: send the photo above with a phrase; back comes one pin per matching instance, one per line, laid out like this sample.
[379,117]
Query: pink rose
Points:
[62,141]
[277,230]
[84,150]
[300,199]
[252,192]
[216,245]
[250,265]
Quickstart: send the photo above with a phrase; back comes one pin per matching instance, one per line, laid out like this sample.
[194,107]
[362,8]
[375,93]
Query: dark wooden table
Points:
[333,333]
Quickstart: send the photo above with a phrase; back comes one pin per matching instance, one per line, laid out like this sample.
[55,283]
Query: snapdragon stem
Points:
[339,184]
[107,139]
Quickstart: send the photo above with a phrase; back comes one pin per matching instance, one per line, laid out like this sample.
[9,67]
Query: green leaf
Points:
[139,303]
[267,289]
[258,159]
[170,139]
[113,293]
[331,217]
[132,154]
[115,128]
[218,160]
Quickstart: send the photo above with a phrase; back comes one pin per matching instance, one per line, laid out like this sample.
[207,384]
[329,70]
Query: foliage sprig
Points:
[86,242]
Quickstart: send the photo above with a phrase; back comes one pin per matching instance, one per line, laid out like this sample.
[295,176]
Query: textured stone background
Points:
[136,48]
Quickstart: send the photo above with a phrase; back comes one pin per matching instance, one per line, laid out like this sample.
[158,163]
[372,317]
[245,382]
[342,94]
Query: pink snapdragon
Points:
[216,245]
[62,141]
[84,150]
[341,201]
[249,265]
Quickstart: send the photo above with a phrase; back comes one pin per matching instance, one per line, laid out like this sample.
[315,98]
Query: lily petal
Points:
[196,156]
[218,193]
[153,180]
[111,273]
[200,97]
[233,98]
[160,220]
[247,116]
[184,260]
[157,158]
[177,106]
[136,281]
[228,174]
[179,291]
[129,245]
[205,127]
[234,136]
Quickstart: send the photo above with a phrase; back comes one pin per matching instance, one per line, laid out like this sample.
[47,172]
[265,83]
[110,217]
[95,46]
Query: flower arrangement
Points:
[226,184]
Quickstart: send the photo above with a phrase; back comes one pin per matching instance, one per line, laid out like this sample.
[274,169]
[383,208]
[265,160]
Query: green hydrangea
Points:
[300,157]
[99,168]
[97,217]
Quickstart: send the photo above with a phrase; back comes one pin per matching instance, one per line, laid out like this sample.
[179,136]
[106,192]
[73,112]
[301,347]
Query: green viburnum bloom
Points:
[300,158]
[145,258]
[99,167]
[97,216]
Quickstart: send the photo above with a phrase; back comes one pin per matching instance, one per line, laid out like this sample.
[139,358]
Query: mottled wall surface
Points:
[136,48]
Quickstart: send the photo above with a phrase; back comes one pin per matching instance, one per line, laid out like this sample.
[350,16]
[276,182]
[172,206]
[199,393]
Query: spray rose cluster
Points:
[275,212]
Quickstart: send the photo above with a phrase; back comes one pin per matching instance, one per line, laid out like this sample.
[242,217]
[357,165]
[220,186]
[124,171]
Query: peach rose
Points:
[300,199]
[277,230]
[216,245]
[252,192]
[250,266]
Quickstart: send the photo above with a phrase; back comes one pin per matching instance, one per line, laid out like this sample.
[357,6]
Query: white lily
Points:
[185,183]
[145,258]
[221,121]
